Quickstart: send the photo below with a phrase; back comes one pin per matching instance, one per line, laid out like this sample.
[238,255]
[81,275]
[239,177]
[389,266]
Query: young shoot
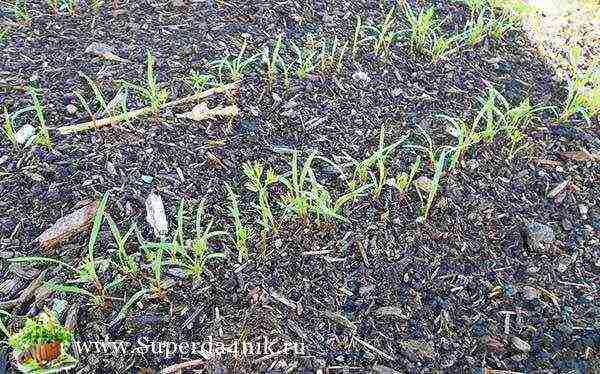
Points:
[256,184]
[242,232]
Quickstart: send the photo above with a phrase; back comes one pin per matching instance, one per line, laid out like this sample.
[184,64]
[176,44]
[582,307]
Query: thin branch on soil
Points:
[184,365]
[113,120]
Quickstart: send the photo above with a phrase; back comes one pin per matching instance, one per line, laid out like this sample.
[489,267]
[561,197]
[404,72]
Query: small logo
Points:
[41,347]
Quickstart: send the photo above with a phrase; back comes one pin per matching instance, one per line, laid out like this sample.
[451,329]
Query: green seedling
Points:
[200,247]
[422,27]
[332,58]
[305,60]
[21,11]
[382,36]
[4,35]
[154,252]
[429,149]
[380,159]
[242,233]
[325,206]
[476,6]
[357,37]
[200,81]
[442,47]
[435,183]
[43,135]
[97,5]
[515,137]
[403,181]
[298,197]
[256,184]
[97,94]
[3,329]
[490,114]
[237,67]
[152,93]
[126,262]
[475,31]
[8,128]
[70,6]
[466,135]
[272,60]
[53,5]
[499,26]
[583,90]
[97,223]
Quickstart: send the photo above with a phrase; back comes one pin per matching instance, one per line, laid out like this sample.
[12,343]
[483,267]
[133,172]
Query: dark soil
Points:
[438,274]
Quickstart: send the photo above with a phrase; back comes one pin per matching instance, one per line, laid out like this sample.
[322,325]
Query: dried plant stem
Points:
[109,121]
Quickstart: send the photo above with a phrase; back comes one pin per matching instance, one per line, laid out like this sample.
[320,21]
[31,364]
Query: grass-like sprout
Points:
[54,5]
[442,46]
[236,67]
[200,81]
[297,200]
[97,5]
[383,36]
[332,58]
[154,252]
[97,94]
[8,128]
[356,38]
[422,27]
[193,258]
[403,181]
[256,184]
[491,114]
[379,158]
[94,233]
[70,6]
[305,60]
[435,182]
[467,137]
[429,149]
[325,206]
[475,31]
[8,125]
[272,60]
[583,90]
[515,138]
[242,233]
[500,25]
[126,262]
[152,93]
[476,6]
[4,35]
[43,135]
[21,11]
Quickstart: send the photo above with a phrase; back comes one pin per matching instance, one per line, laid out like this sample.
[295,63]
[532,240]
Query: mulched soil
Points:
[437,275]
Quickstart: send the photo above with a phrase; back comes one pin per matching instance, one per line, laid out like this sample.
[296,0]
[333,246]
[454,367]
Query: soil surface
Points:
[382,290]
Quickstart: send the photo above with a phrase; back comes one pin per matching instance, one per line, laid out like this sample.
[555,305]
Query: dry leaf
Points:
[424,184]
[202,112]
[558,189]
[580,156]
[67,226]
[155,215]
[105,51]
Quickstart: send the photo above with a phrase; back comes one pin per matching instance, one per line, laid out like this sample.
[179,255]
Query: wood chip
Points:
[392,310]
[67,226]
[558,189]
[155,215]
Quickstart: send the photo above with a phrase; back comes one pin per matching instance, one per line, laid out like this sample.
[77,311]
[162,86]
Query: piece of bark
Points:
[67,226]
